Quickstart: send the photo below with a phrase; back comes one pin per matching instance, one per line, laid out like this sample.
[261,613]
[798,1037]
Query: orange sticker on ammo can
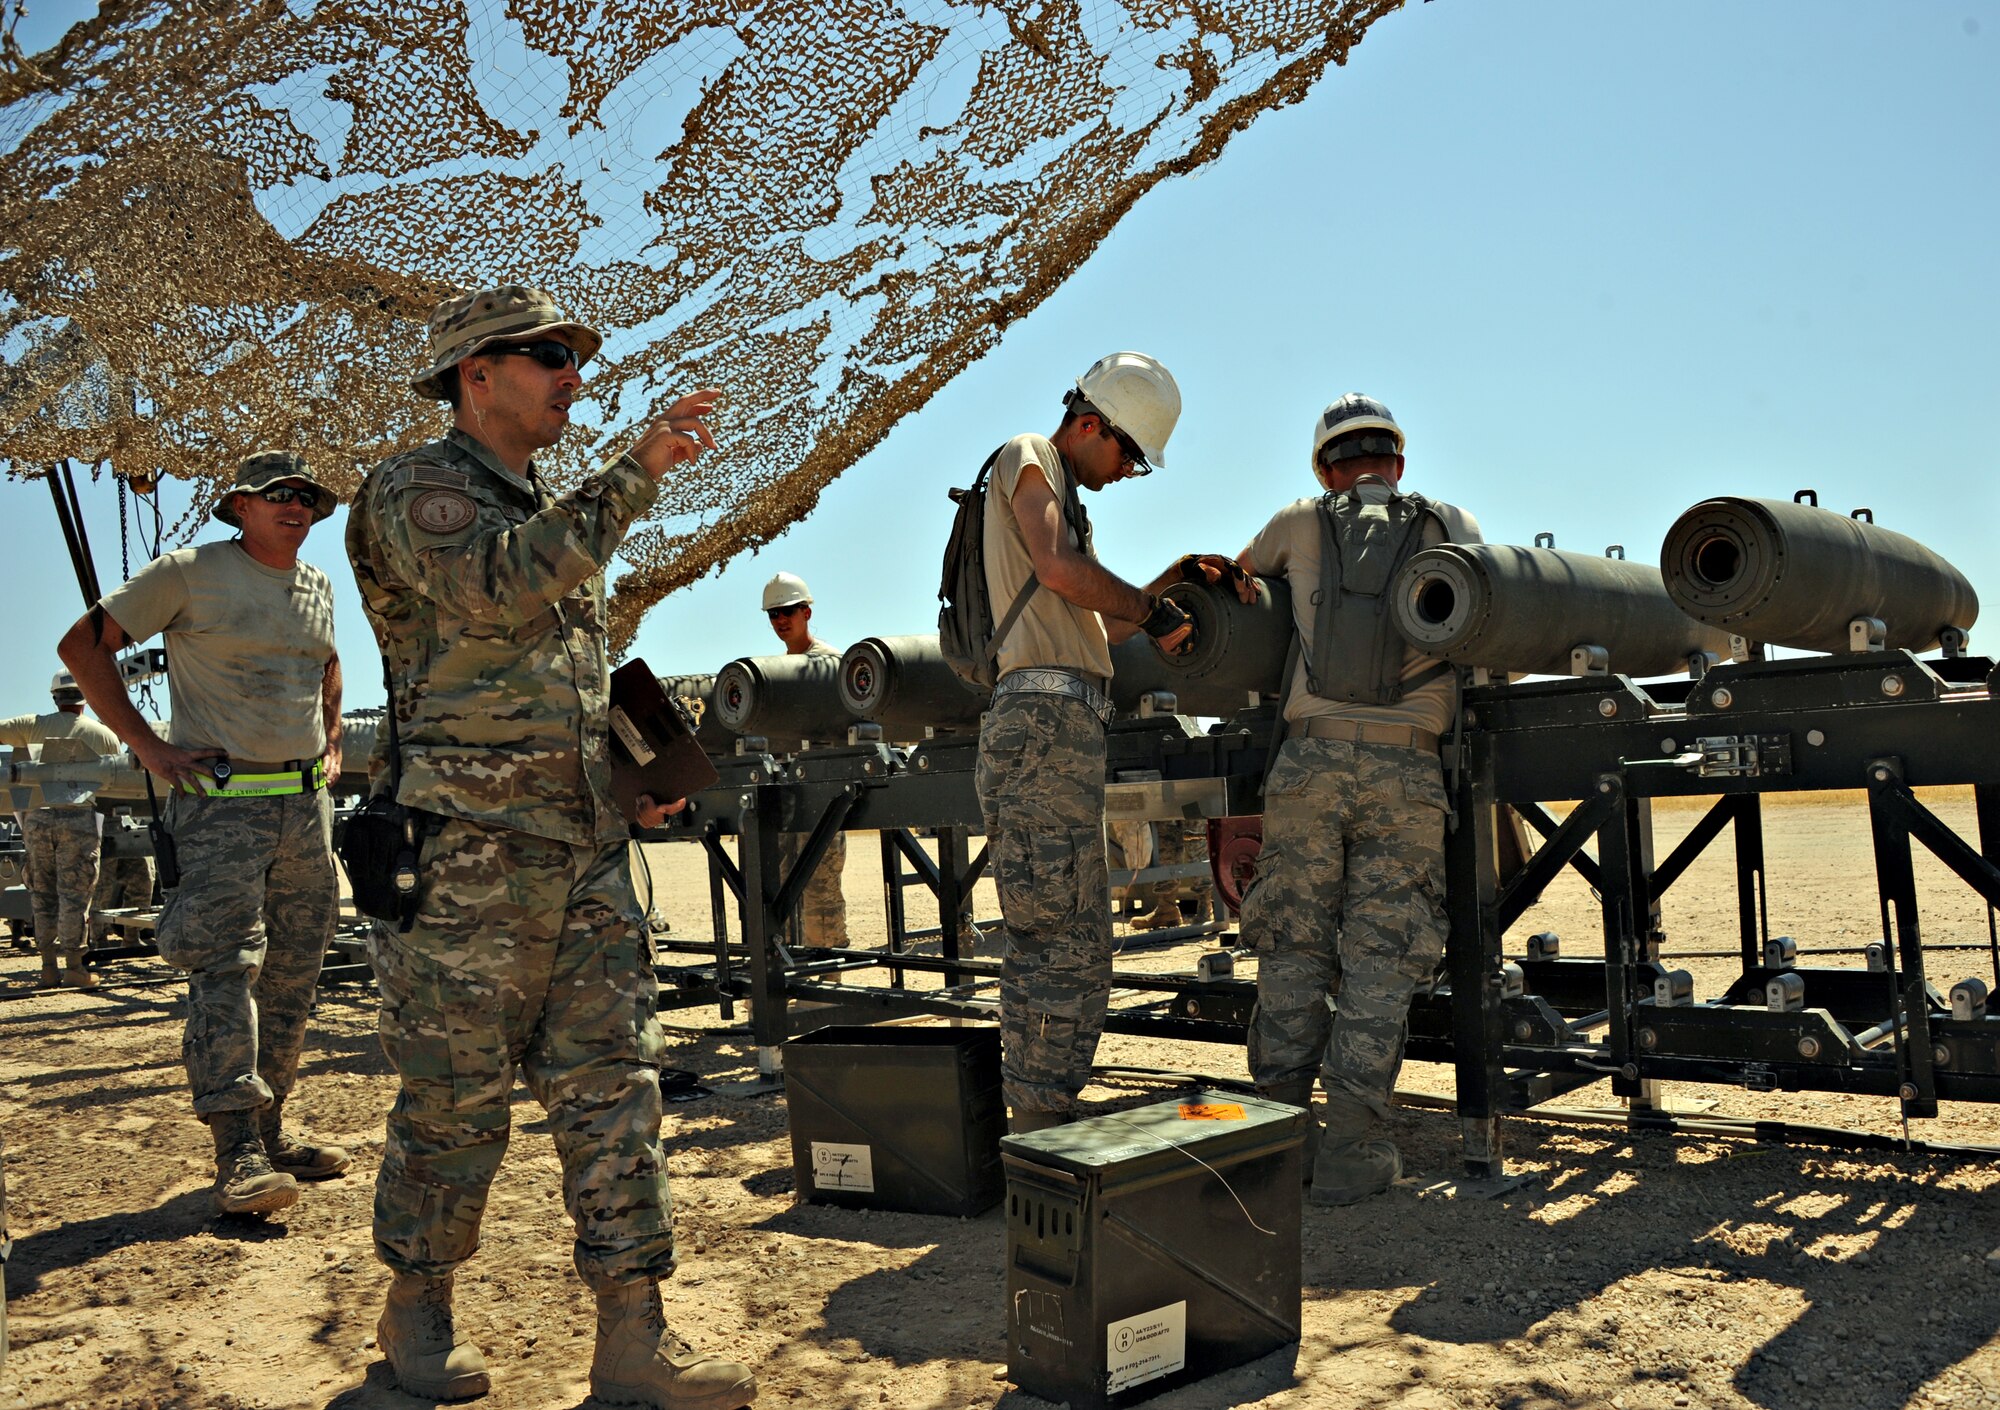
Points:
[1211,1111]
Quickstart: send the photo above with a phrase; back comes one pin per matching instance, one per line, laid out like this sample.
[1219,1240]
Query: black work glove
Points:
[1163,621]
[1210,568]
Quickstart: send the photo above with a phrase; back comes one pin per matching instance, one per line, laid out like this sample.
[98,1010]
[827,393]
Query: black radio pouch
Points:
[164,856]
[380,843]
[378,848]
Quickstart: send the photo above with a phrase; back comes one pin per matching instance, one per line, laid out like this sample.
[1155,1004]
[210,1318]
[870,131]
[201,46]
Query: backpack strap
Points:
[1078,523]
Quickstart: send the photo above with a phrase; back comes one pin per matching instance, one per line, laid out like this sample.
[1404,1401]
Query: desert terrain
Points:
[1632,1272]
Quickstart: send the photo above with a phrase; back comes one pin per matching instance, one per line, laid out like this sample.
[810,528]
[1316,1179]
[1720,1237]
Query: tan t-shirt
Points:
[1290,545]
[247,648]
[1050,631]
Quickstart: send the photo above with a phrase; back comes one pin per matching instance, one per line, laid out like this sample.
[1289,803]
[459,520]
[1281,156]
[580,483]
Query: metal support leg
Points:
[1473,959]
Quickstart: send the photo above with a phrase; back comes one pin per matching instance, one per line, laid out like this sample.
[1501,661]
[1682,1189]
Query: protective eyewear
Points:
[548,352]
[308,497]
[1135,458]
[780,614]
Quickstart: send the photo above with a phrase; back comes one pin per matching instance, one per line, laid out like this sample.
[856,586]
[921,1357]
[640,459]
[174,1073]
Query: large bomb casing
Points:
[1238,649]
[782,698]
[1524,610]
[904,684]
[1795,575]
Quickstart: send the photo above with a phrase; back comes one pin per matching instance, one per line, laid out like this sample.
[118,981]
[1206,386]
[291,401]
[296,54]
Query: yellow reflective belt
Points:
[265,785]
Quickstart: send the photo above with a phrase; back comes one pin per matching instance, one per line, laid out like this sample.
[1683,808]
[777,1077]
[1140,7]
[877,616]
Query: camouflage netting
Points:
[223,222]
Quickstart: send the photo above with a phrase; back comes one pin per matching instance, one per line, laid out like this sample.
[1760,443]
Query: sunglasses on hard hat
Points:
[307,497]
[549,352]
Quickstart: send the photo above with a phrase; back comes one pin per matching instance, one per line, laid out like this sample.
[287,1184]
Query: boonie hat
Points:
[266,468]
[461,326]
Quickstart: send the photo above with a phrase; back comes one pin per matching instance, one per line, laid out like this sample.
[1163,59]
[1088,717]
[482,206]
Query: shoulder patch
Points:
[442,511]
[438,475]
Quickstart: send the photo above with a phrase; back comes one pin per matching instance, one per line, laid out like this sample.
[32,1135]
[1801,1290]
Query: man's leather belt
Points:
[247,778]
[1355,732]
[1053,680]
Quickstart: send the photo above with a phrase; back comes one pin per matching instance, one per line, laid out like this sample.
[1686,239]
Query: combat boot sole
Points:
[266,1195]
[310,1162]
[737,1396]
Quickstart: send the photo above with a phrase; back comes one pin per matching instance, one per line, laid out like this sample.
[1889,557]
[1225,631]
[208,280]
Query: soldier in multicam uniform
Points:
[255,686]
[63,841]
[528,948]
[1347,911]
[823,908]
[1041,744]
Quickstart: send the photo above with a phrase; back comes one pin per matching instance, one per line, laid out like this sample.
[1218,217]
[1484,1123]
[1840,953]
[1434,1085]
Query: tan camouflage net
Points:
[223,222]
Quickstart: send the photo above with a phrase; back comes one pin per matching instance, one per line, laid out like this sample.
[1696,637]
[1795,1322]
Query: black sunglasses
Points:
[774,613]
[307,497]
[1128,448]
[548,352]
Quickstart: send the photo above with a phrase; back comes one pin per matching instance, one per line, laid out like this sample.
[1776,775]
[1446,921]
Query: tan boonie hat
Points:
[267,467]
[463,325]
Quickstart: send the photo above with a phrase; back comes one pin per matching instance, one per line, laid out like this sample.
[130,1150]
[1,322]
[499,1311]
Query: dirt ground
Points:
[1631,1273]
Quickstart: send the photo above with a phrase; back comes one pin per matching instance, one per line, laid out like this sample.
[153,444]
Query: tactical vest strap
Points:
[1357,655]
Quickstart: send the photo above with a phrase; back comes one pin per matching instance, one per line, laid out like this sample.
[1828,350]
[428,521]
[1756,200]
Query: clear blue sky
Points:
[1602,261]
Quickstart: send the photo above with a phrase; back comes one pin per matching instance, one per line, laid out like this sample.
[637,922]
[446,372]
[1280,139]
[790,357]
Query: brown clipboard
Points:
[652,749]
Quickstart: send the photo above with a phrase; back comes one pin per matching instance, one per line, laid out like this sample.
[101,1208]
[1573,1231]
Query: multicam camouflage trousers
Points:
[1041,792]
[1349,899]
[63,846]
[250,923]
[822,913]
[528,953]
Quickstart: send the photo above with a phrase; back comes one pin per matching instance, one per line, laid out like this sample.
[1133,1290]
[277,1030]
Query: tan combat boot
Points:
[51,974]
[299,1159]
[1353,1163]
[639,1361]
[1299,1093]
[417,1336]
[245,1183]
[77,977]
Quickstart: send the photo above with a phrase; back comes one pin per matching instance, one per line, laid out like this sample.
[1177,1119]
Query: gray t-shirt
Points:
[1050,630]
[1289,547]
[247,648]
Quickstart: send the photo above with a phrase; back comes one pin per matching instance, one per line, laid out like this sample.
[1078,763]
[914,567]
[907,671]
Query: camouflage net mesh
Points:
[223,222]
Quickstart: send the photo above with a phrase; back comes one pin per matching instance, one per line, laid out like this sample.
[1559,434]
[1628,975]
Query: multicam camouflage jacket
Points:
[487,597]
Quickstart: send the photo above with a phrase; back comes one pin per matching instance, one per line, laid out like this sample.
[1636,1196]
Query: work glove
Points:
[1170,626]
[1215,568]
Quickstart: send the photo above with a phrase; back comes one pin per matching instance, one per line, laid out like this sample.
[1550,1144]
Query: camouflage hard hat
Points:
[267,467]
[461,326]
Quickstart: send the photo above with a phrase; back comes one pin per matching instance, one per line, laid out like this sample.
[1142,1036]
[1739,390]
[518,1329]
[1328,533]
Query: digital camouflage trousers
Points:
[1041,792]
[250,923]
[63,848]
[1346,913]
[527,954]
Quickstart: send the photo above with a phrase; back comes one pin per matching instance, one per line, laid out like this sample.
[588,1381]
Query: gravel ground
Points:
[1631,1272]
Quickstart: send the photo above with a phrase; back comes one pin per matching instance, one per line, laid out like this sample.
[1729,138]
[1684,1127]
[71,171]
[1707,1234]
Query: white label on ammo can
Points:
[1146,1347]
[843,1167]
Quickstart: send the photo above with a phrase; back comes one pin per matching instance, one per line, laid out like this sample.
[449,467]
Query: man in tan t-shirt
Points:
[822,914]
[1041,744]
[63,841]
[254,740]
[1349,895]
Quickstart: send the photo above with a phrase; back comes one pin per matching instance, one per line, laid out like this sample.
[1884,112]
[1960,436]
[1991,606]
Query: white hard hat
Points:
[64,688]
[786,590]
[1138,396]
[1352,413]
